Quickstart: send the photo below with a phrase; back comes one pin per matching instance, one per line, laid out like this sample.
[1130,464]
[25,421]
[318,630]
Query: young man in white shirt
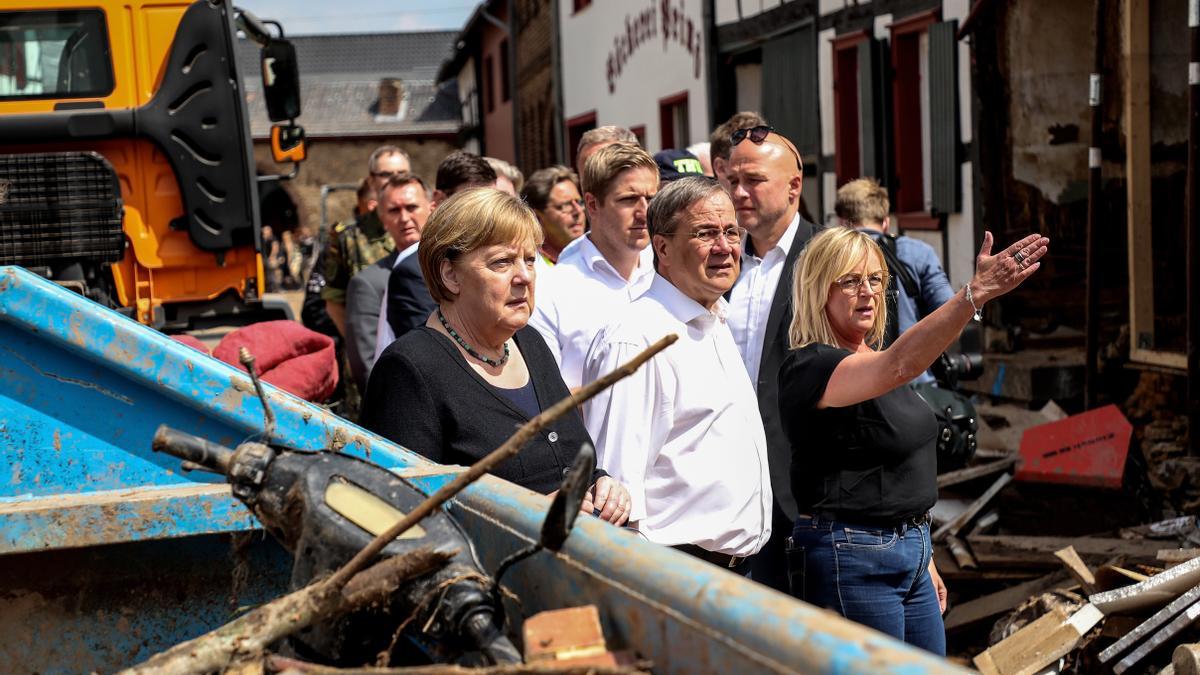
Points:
[599,274]
[683,433]
[764,175]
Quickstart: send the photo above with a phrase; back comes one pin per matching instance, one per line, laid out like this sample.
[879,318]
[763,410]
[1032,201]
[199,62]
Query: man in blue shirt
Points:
[920,283]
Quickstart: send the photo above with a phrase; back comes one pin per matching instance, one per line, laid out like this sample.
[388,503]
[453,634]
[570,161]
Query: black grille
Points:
[59,206]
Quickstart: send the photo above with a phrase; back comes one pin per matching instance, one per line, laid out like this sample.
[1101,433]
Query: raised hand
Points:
[998,274]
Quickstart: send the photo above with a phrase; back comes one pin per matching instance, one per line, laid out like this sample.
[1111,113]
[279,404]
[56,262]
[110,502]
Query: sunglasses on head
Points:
[756,134]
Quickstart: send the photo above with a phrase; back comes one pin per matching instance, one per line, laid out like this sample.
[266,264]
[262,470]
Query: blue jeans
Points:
[874,576]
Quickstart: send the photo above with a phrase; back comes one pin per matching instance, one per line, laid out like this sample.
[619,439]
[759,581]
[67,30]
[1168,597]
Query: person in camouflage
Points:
[355,245]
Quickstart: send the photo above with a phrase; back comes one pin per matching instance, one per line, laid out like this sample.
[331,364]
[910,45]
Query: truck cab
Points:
[126,163]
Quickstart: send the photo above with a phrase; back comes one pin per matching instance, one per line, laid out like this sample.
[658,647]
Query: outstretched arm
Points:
[868,374]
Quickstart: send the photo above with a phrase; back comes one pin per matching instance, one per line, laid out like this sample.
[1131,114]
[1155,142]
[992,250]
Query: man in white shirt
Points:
[764,175]
[683,433]
[600,273]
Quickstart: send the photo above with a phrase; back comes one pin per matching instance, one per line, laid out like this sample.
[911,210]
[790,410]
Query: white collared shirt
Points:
[580,295]
[683,433]
[752,297]
[383,331]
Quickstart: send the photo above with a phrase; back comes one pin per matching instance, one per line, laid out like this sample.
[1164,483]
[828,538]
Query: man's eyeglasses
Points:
[567,207]
[709,235]
[852,282]
[756,134]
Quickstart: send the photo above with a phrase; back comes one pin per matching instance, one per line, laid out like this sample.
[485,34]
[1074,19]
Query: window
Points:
[640,132]
[673,121]
[911,197]
[489,84]
[505,91]
[54,55]
[846,85]
[580,5]
[576,127]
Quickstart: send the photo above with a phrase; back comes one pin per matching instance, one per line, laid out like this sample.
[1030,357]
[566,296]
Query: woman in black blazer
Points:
[457,387]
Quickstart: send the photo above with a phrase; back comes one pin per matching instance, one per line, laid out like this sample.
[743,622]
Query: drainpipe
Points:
[1193,233]
[556,86]
[1092,319]
[506,30]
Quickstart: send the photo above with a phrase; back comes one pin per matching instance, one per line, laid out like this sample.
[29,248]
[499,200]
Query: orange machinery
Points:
[126,164]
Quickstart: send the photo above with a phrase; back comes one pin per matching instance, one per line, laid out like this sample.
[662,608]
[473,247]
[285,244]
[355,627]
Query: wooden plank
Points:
[962,555]
[953,527]
[1157,590]
[1039,643]
[1177,555]
[1077,568]
[988,606]
[1135,50]
[973,472]
[999,550]
[1144,628]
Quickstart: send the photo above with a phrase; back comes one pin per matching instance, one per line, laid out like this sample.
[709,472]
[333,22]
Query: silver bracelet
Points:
[978,316]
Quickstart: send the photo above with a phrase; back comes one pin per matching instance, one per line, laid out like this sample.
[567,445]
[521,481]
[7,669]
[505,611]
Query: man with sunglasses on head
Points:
[600,273]
[355,245]
[683,432]
[764,176]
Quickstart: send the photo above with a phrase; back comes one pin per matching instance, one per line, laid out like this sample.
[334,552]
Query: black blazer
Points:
[775,349]
[423,395]
[409,302]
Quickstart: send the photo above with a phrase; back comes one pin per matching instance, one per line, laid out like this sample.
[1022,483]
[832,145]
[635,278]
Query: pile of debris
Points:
[1090,597]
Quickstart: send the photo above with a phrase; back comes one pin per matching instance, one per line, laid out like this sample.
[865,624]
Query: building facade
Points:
[878,89]
[640,64]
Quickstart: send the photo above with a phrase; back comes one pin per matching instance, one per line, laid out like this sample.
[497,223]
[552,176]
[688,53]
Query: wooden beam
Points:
[1039,643]
[960,521]
[988,606]
[973,472]
[1017,551]
[1135,52]
[1077,568]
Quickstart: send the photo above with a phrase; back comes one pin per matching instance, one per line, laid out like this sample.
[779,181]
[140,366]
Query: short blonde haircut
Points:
[828,256]
[469,220]
[512,173]
[862,202]
[600,170]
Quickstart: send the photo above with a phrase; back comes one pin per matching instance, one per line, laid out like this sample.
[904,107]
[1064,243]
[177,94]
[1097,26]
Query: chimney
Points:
[389,97]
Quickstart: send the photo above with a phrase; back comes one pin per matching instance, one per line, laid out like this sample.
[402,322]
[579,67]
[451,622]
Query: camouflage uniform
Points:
[353,246]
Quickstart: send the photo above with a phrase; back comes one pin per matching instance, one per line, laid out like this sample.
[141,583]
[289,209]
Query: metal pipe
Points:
[1193,233]
[1092,304]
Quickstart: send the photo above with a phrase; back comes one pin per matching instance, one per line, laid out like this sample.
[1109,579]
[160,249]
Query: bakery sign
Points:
[662,20]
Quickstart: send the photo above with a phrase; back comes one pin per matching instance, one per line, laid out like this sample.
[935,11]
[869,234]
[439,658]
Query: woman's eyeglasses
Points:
[852,282]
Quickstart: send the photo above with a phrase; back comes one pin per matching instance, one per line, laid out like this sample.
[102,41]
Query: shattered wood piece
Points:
[1150,625]
[1186,618]
[1186,659]
[564,633]
[955,526]
[1016,551]
[1157,590]
[973,472]
[986,522]
[1077,568]
[1177,555]
[962,555]
[985,607]
[1038,644]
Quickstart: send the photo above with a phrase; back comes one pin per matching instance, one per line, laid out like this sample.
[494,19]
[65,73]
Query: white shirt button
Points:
[553,436]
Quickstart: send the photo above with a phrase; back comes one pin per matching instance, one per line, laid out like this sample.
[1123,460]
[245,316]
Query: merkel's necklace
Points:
[468,348]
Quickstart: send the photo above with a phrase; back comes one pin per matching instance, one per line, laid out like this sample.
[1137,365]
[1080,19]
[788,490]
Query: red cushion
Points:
[192,342]
[288,355]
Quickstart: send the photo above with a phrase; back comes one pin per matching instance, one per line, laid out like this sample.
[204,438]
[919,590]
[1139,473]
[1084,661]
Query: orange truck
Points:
[126,165]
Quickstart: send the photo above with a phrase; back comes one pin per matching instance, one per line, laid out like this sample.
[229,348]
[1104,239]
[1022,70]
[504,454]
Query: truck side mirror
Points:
[281,81]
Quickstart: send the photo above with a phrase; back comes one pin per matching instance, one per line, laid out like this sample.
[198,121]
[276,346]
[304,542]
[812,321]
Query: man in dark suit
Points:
[402,208]
[765,174]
